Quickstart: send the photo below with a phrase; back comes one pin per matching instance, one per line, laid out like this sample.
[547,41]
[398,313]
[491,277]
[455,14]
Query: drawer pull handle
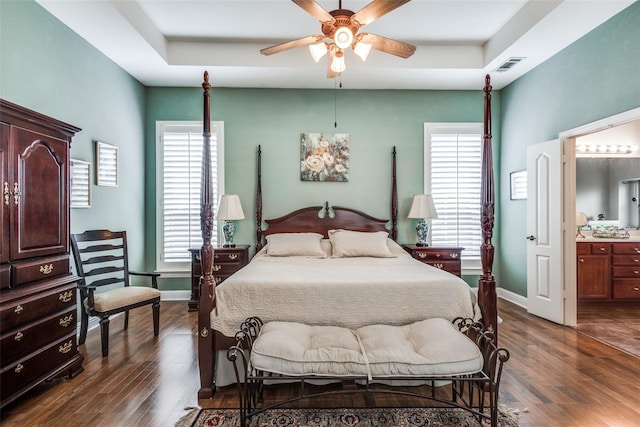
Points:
[6,192]
[453,255]
[66,347]
[18,309]
[204,333]
[19,368]
[216,267]
[66,321]
[636,289]
[233,256]
[18,336]
[198,257]
[438,266]
[217,280]
[602,249]
[422,255]
[636,272]
[46,269]
[16,193]
[581,259]
[66,296]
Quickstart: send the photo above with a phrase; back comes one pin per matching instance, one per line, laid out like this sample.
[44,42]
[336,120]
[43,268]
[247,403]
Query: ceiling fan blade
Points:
[291,44]
[387,45]
[330,73]
[315,10]
[375,10]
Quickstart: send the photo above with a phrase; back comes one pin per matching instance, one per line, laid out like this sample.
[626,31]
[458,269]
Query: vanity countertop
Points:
[634,236]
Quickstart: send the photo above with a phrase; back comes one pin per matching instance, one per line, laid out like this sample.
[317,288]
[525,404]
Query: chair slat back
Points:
[101,257]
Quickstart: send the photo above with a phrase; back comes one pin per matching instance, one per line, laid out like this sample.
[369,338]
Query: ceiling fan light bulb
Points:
[338,65]
[343,37]
[318,50]
[362,50]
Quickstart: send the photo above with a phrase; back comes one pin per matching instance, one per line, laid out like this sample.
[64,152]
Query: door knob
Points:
[531,238]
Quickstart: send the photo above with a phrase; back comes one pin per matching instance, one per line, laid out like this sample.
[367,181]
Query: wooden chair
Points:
[101,261]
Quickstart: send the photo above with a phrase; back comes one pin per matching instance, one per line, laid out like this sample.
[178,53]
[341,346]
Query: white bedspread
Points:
[348,292]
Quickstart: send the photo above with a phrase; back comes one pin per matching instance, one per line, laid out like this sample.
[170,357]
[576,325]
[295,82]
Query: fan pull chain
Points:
[335,105]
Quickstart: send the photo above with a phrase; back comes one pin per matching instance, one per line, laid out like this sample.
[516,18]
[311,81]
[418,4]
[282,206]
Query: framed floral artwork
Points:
[324,157]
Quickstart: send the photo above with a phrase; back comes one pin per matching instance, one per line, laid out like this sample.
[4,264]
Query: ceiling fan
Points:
[341,28]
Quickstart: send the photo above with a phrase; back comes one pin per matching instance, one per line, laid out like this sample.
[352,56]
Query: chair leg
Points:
[156,318]
[104,335]
[126,320]
[84,325]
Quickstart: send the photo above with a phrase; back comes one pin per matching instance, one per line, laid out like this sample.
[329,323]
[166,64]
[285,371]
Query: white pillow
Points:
[295,244]
[347,243]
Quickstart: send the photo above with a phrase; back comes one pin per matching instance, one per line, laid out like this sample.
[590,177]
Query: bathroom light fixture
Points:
[605,149]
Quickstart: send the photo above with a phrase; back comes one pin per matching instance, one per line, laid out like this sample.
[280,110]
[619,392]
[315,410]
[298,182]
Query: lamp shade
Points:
[229,207]
[422,207]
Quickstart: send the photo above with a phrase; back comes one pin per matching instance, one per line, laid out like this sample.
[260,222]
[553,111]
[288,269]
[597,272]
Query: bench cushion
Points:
[428,348]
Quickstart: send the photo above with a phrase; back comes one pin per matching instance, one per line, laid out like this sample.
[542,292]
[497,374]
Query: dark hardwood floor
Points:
[556,375]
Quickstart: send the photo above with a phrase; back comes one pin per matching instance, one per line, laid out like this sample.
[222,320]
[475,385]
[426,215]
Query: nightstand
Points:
[445,258]
[226,261]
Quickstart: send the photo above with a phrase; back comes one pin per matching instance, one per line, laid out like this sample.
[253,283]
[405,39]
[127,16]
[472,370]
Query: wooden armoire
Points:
[38,310]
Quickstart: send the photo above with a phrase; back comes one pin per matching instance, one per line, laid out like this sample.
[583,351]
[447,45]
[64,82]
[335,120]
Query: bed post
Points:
[487,283]
[259,202]
[206,341]
[394,198]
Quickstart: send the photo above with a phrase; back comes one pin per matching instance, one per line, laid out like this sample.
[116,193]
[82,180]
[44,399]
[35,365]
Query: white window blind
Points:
[179,174]
[453,175]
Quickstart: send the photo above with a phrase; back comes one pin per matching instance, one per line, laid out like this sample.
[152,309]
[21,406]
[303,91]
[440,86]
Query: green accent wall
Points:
[593,78]
[376,120]
[47,67]
[50,69]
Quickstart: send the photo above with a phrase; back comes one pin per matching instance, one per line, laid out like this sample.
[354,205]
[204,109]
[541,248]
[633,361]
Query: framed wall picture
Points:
[518,185]
[106,164]
[324,157]
[80,178]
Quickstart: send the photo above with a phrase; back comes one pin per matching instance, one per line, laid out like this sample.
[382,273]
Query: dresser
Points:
[226,261]
[38,310]
[444,258]
[608,270]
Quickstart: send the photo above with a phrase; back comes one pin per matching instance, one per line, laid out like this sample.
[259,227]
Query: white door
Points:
[544,231]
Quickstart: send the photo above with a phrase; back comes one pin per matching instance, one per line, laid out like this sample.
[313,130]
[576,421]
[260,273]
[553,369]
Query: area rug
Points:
[623,336]
[344,417]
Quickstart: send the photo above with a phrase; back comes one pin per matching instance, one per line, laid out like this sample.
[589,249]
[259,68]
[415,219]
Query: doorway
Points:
[606,321]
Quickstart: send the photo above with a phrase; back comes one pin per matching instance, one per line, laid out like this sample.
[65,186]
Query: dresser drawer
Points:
[452,267]
[37,367]
[22,341]
[600,248]
[630,248]
[429,255]
[41,268]
[626,288]
[626,260]
[629,272]
[583,249]
[33,307]
[223,256]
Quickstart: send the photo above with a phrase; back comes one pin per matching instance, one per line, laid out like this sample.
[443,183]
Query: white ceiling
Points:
[171,42]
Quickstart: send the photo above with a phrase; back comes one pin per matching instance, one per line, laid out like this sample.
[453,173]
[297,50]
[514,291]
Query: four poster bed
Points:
[331,265]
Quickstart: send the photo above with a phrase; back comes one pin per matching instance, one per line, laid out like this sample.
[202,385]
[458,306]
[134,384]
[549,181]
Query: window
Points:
[178,189]
[453,175]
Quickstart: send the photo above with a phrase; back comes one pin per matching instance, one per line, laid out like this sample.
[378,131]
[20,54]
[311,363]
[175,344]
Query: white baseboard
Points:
[175,295]
[517,299]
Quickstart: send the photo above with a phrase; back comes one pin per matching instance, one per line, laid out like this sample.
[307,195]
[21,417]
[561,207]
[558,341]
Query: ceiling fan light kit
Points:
[341,27]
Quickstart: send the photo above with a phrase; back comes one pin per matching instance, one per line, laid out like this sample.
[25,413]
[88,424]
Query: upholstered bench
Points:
[429,350]
[432,347]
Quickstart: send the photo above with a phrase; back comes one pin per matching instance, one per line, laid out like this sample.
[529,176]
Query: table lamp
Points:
[422,208]
[229,209]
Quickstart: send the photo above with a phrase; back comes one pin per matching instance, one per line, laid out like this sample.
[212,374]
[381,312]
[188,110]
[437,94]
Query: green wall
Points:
[595,77]
[375,120]
[47,67]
